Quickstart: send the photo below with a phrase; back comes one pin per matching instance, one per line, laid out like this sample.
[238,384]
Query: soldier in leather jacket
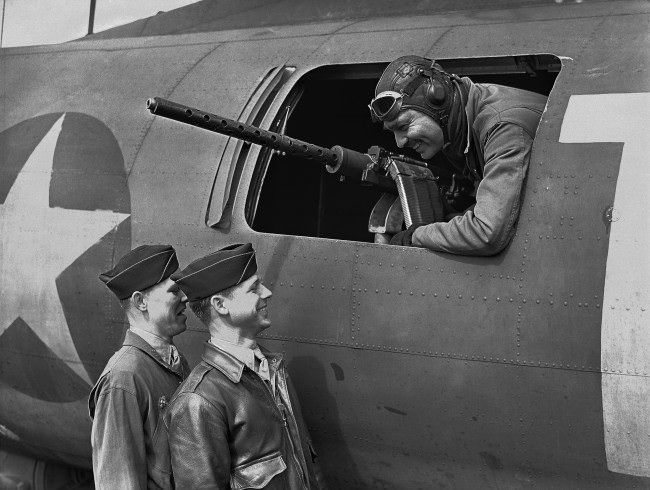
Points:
[486,132]
[236,421]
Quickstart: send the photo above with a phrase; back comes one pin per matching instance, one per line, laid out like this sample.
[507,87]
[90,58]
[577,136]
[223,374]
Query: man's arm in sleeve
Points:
[198,444]
[490,225]
[119,459]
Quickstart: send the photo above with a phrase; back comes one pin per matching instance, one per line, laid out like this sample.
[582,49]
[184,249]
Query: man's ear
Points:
[139,301]
[218,303]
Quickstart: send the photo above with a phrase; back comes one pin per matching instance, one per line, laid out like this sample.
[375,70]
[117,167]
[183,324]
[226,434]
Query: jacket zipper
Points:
[281,408]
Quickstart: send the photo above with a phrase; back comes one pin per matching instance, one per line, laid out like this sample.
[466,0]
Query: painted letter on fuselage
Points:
[625,336]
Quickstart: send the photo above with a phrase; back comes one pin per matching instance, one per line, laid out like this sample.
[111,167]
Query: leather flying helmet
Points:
[413,82]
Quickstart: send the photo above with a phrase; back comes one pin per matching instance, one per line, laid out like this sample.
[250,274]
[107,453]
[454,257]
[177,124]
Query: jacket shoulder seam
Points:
[106,391]
[202,398]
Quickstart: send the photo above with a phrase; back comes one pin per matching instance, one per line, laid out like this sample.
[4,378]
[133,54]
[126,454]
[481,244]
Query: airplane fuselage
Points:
[414,368]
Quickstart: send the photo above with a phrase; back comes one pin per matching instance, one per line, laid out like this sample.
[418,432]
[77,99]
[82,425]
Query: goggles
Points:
[386,106]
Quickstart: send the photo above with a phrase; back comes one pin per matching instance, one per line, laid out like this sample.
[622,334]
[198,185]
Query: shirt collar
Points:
[231,365]
[160,345]
[243,354]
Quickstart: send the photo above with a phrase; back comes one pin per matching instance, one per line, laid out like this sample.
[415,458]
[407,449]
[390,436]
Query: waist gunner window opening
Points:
[328,107]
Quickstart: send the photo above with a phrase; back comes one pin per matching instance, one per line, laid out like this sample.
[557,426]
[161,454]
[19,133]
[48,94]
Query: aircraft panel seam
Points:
[326,38]
[266,6]
[443,13]
[30,50]
[459,357]
[518,22]
[451,28]
[167,95]
[355,321]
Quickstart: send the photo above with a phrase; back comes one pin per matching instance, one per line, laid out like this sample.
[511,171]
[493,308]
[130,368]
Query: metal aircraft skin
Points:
[414,369]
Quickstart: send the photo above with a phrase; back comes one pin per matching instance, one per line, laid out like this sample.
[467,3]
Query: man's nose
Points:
[265,292]
[400,140]
[183,296]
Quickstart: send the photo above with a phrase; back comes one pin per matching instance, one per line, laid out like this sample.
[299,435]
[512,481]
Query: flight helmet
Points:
[413,82]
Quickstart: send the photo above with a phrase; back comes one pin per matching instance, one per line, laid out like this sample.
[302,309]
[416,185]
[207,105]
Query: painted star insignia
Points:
[38,244]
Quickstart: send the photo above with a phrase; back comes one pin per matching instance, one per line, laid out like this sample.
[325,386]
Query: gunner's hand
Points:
[405,237]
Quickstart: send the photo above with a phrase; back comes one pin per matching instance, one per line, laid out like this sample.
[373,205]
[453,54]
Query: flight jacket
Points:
[224,429]
[125,404]
[501,125]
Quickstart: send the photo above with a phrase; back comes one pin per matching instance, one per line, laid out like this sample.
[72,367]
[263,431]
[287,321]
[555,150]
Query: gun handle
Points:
[386,216]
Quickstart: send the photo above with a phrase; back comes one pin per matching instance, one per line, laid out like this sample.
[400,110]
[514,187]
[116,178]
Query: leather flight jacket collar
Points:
[230,365]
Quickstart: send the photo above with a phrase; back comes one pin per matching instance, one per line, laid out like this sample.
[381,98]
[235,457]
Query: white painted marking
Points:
[5,432]
[40,242]
[625,334]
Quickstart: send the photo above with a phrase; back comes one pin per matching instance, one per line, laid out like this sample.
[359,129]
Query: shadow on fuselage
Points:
[334,455]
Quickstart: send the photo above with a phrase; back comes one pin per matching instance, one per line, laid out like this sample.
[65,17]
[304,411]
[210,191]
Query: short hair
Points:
[127,303]
[202,309]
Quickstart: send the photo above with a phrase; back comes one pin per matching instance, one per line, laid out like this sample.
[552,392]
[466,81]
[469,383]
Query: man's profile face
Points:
[415,130]
[165,307]
[247,305]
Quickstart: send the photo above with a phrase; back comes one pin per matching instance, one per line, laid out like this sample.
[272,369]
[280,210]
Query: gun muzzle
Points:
[152,105]
[237,129]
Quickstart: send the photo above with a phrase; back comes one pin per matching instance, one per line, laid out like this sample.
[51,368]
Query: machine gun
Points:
[411,192]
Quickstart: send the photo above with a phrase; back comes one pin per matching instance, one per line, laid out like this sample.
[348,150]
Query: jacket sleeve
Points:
[490,225]
[117,437]
[198,444]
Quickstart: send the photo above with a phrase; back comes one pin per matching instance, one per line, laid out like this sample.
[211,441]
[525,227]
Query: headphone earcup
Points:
[436,92]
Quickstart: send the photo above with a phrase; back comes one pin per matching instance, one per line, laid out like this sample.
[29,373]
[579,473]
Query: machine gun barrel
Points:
[243,131]
[409,178]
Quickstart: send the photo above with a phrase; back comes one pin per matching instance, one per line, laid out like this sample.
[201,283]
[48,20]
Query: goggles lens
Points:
[386,105]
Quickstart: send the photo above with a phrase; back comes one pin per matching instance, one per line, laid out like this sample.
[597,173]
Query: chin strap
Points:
[457,129]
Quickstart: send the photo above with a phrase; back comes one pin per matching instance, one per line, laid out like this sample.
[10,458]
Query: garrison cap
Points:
[217,271]
[141,268]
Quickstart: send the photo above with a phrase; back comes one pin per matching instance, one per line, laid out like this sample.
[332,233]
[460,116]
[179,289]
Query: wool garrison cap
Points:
[220,270]
[141,268]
